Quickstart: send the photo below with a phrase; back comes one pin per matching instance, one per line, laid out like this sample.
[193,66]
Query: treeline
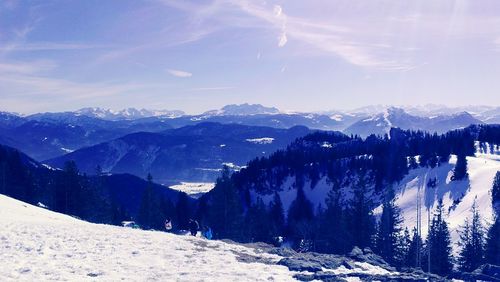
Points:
[99,198]
[234,208]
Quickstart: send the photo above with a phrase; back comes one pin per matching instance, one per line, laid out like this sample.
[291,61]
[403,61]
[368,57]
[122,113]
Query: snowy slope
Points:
[458,196]
[37,244]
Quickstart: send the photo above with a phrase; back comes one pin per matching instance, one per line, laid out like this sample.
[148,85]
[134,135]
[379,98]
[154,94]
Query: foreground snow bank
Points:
[37,244]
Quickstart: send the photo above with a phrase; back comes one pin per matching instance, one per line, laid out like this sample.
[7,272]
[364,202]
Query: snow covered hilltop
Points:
[38,244]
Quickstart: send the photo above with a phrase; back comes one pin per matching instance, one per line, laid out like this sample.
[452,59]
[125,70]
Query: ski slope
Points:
[40,245]
[458,196]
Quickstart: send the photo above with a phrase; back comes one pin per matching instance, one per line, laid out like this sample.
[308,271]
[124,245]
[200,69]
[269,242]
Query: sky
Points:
[313,55]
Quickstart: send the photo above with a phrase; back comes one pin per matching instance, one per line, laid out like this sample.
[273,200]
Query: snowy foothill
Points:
[39,245]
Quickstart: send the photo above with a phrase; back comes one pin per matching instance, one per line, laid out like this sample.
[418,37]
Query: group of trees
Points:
[88,197]
[236,210]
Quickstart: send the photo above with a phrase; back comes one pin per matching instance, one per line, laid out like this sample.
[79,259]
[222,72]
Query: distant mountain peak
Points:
[243,110]
[128,113]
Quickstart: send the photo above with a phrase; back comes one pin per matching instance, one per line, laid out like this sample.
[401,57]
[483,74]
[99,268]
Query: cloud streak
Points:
[179,73]
[325,36]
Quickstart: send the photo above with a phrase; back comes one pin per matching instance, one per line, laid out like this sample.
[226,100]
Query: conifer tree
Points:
[257,222]
[472,243]
[360,215]
[460,171]
[182,212]
[146,209]
[495,194]
[439,244]
[333,227]
[300,215]
[277,215]
[492,253]
[389,229]
[415,251]
[225,208]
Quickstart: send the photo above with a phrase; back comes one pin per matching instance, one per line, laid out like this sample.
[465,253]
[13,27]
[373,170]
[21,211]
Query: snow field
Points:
[40,245]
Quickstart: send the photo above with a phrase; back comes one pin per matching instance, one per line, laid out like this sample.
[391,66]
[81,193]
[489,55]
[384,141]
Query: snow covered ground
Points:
[40,245]
[193,188]
[458,196]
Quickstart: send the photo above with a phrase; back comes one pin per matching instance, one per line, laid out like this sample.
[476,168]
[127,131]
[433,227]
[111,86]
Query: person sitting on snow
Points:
[168,224]
[193,227]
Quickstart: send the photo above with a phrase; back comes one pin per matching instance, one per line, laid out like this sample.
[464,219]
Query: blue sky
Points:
[199,55]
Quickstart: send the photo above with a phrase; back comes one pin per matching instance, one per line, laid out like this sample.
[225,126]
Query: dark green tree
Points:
[472,242]
[183,212]
[257,222]
[360,215]
[460,171]
[389,230]
[277,215]
[300,216]
[225,212]
[148,207]
[492,252]
[439,244]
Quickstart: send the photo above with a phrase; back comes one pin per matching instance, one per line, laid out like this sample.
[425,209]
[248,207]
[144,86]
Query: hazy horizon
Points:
[345,110]
[200,55]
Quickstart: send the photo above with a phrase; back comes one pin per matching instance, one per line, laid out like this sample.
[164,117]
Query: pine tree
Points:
[460,171]
[492,252]
[182,211]
[389,230]
[145,216]
[360,216]
[439,244]
[333,228]
[493,239]
[472,243]
[277,215]
[300,216]
[225,208]
[415,251]
[495,194]
[68,196]
[257,222]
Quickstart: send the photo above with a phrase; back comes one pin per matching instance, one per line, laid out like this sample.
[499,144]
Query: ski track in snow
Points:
[39,245]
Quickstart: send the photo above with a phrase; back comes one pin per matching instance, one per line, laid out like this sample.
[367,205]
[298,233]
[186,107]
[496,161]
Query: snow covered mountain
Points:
[128,114]
[396,117]
[187,154]
[243,110]
[47,135]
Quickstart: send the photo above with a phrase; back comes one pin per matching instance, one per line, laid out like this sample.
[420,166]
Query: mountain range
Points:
[194,153]
[179,147]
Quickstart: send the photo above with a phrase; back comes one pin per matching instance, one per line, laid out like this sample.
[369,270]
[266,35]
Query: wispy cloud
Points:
[31,67]
[325,36]
[179,73]
[47,46]
[216,88]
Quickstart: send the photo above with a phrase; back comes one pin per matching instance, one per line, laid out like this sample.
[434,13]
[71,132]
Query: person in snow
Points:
[168,224]
[193,227]
[207,233]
